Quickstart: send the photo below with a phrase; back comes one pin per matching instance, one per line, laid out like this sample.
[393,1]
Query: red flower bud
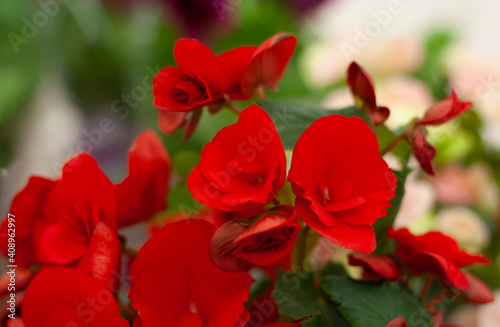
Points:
[239,245]
[362,89]
[424,152]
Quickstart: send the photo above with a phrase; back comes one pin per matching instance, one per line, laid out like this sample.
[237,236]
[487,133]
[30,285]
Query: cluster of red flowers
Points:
[195,272]
[204,79]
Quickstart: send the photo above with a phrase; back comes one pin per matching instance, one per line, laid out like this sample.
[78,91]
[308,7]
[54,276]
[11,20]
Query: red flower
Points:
[436,253]
[81,199]
[376,268]
[199,79]
[239,245]
[143,192]
[424,152]
[69,297]
[26,208]
[341,183]
[251,68]
[243,165]
[78,227]
[444,111]
[361,86]
[174,283]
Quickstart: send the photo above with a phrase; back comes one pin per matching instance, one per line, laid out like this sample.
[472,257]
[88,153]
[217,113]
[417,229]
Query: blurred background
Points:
[75,75]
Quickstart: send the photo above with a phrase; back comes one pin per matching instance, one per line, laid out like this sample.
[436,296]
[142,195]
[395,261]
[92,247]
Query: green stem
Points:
[301,249]
[426,287]
[391,146]
[234,108]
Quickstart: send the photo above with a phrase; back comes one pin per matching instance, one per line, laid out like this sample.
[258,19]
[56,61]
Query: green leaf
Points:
[184,161]
[367,304]
[297,297]
[383,224]
[314,321]
[292,119]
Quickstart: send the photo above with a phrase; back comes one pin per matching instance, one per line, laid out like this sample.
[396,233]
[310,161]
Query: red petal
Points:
[397,322]
[424,152]
[65,292]
[435,242]
[83,197]
[143,192]
[170,121]
[236,62]
[444,111]
[361,86]
[105,256]
[222,248]
[478,291]
[179,254]
[26,209]
[268,63]
[447,271]
[60,244]
[382,265]
[197,59]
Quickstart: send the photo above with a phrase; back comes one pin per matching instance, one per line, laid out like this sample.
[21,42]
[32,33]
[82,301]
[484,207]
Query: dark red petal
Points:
[435,242]
[222,248]
[105,256]
[197,59]
[143,192]
[447,271]
[478,291]
[192,120]
[179,254]
[379,115]
[361,86]
[63,292]
[397,322]
[26,209]
[268,63]
[382,265]
[170,121]
[236,62]
[424,152]
[444,111]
